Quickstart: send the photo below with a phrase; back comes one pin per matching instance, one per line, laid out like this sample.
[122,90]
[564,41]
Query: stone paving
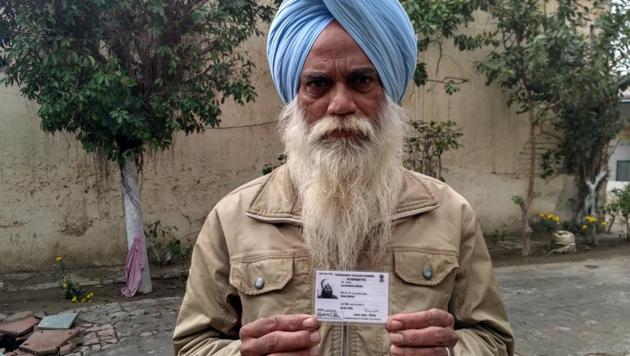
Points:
[142,327]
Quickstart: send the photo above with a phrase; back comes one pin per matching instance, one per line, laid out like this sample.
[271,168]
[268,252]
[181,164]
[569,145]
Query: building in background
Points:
[619,162]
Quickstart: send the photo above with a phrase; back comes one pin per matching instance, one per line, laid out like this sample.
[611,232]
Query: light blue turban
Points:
[380,27]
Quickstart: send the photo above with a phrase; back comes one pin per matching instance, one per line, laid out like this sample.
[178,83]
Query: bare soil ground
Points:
[611,247]
[51,300]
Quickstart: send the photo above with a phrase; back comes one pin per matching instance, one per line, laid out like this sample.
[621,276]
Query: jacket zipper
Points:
[345,345]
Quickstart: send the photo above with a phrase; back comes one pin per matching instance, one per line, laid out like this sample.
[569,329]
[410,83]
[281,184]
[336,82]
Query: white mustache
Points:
[325,126]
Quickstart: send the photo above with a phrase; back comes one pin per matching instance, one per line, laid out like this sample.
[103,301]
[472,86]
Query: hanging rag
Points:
[133,267]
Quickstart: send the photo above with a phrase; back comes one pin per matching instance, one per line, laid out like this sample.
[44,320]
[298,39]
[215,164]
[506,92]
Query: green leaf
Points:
[125,76]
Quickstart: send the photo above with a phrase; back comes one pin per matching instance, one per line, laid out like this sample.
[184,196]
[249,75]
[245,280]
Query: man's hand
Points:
[281,335]
[423,333]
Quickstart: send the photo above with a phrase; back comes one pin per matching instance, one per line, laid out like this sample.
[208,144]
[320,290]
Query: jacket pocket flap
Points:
[258,277]
[425,269]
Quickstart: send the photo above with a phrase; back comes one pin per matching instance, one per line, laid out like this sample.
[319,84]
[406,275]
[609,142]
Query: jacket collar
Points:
[277,201]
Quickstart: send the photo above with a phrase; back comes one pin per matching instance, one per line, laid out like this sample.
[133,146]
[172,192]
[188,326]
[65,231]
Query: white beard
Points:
[348,187]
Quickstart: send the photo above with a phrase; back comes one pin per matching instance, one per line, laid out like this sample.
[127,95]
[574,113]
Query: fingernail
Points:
[315,337]
[395,325]
[393,350]
[395,338]
[309,323]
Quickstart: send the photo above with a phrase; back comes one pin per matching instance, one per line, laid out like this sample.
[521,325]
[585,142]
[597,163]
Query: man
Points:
[342,202]
[327,291]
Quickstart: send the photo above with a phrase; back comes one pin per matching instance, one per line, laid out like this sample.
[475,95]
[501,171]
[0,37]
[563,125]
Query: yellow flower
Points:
[590,219]
[584,227]
[74,299]
[549,217]
[59,258]
[604,223]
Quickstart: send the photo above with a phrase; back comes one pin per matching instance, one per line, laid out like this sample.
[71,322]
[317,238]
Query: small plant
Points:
[589,223]
[518,200]
[589,227]
[167,248]
[71,291]
[620,207]
[546,222]
[496,236]
[427,142]
[268,167]
[178,250]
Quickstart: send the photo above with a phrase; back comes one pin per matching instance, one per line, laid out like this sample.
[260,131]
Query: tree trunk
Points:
[133,217]
[612,222]
[590,202]
[526,233]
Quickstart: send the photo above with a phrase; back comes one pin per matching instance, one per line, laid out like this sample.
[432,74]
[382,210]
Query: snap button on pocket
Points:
[261,276]
[260,283]
[424,268]
[427,273]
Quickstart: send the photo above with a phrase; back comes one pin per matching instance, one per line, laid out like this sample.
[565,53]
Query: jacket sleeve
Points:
[480,318]
[209,318]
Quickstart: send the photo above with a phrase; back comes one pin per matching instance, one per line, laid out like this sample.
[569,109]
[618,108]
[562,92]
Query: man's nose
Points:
[341,101]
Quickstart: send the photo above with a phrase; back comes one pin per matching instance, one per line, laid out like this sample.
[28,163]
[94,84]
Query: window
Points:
[623,171]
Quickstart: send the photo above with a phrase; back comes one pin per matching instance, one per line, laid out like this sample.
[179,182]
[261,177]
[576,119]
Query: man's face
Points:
[338,79]
[343,137]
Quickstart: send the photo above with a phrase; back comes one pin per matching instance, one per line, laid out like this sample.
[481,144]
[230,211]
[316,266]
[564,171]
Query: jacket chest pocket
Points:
[423,281]
[269,287]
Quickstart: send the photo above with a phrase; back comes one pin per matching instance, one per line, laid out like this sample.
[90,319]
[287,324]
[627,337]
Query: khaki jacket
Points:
[255,232]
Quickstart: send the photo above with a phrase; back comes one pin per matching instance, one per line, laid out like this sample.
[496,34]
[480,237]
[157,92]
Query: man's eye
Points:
[317,87]
[362,82]
[317,83]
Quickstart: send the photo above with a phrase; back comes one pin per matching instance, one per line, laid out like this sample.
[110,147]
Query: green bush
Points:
[620,206]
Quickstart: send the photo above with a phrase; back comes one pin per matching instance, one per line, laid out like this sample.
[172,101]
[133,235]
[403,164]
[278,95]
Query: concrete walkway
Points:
[575,308]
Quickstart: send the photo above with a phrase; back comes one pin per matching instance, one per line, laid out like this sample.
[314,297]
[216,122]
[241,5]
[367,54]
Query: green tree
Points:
[533,45]
[436,21]
[126,75]
[620,206]
[587,115]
